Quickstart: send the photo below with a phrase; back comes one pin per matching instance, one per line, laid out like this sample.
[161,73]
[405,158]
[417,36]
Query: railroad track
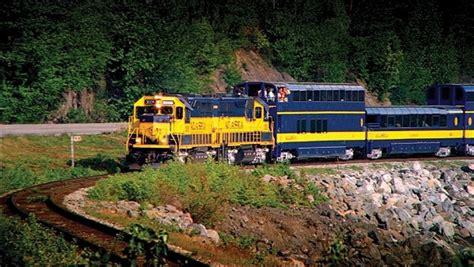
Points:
[326,162]
[45,203]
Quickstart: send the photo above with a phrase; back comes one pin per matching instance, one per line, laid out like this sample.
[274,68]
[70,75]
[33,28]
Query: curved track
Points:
[45,203]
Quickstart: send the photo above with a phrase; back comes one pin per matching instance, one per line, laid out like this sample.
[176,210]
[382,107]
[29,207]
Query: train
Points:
[262,121]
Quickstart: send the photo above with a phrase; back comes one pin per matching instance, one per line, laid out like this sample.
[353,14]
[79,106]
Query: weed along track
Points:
[44,202]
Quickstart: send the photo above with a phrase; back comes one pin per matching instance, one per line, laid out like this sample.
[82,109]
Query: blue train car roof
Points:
[467,87]
[410,110]
[309,85]
[322,86]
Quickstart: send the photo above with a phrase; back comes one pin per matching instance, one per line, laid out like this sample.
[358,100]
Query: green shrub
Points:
[148,243]
[28,244]
[205,189]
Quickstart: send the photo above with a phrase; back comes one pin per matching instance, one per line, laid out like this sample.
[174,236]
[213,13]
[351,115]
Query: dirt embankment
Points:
[252,67]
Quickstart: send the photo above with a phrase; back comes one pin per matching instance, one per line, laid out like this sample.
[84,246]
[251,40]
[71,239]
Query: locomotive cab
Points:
[150,129]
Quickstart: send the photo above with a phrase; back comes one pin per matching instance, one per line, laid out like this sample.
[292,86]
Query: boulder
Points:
[403,215]
[468,225]
[447,228]
[213,235]
[197,228]
[470,188]
[384,188]
[267,178]
[447,206]
[387,177]
[416,166]
[399,186]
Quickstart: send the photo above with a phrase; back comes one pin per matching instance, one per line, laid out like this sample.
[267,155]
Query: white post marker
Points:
[74,138]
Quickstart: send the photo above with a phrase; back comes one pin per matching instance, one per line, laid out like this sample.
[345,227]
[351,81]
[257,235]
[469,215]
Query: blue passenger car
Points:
[313,120]
[459,95]
[414,130]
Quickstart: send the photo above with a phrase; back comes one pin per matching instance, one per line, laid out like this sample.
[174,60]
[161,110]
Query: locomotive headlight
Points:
[138,140]
[158,105]
[163,140]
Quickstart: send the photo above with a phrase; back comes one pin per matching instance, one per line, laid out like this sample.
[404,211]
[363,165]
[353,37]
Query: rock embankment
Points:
[406,199]
[167,215]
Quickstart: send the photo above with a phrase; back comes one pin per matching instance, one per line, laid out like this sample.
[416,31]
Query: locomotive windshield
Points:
[152,110]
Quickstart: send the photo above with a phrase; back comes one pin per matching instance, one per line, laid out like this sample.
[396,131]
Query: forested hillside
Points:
[90,60]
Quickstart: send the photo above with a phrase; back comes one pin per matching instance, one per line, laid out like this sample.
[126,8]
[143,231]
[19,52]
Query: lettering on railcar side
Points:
[234,125]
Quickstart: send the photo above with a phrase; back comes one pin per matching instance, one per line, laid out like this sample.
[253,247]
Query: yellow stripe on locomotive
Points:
[165,126]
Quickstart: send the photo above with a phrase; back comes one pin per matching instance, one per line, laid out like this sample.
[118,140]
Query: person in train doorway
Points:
[283,93]
[262,93]
[271,95]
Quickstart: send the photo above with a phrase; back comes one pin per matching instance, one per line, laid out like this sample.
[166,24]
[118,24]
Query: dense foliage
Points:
[119,50]
[31,244]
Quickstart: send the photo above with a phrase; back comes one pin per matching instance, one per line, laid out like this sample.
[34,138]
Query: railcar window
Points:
[330,95]
[258,112]
[325,126]
[296,95]
[146,111]
[361,96]
[179,113]
[391,121]
[383,120]
[319,127]
[413,120]
[406,120]
[429,120]
[372,119]
[431,93]
[312,126]
[167,110]
[342,95]
[459,94]
[348,96]
[436,120]
[303,96]
[398,121]
[316,95]
[301,126]
[421,121]
[445,93]
[324,95]
[470,97]
[354,96]
[336,96]
[443,121]
[309,95]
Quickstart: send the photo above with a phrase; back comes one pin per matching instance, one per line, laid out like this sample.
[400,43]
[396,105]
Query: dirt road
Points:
[53,129]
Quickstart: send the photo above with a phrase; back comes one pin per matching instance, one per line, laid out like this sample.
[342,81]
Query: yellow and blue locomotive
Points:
[235,129]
